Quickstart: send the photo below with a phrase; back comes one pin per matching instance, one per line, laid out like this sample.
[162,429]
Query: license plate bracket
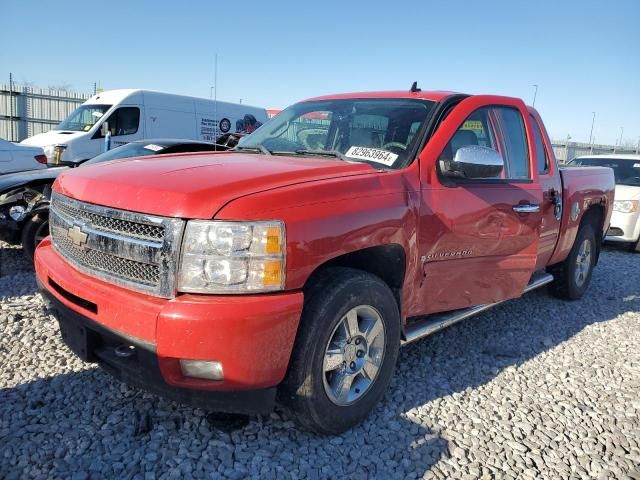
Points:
[78,338]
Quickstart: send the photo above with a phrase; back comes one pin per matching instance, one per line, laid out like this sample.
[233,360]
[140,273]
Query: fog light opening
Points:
[207,369]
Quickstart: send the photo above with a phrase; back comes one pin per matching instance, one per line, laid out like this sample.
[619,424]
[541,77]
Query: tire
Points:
[311,390]
[35,229]
[573,276]
[635,247]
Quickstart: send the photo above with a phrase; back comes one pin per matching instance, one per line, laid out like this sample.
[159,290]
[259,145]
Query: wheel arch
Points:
[387,262]
[595,215]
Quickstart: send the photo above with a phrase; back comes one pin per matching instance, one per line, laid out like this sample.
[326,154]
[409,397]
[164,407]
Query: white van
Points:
[137,114]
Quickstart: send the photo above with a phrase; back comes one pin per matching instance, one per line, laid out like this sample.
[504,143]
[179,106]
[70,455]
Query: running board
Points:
[437,321]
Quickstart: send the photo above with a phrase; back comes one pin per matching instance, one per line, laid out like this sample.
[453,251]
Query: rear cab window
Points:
[542,159]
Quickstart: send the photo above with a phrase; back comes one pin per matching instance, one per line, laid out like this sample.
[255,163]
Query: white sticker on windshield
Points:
[372,155]
[153,147]
[636,165]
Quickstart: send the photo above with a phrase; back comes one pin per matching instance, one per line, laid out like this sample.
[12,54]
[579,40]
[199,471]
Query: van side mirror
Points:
[473,161]
[104,128]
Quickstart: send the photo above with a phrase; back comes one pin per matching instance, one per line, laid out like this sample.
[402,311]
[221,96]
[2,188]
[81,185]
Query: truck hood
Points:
[52,137]
[627,192]
[194,185]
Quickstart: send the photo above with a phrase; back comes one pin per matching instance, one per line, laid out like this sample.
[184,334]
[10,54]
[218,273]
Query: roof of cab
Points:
[110,97]
[434,95]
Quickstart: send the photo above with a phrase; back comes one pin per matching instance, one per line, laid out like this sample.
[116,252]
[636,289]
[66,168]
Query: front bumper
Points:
[252,336]
[624,227]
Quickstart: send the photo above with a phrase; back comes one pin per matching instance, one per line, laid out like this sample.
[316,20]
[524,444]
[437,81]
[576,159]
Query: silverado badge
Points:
[77,236]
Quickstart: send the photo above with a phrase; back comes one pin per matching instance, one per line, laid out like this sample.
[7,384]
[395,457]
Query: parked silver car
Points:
[19,158]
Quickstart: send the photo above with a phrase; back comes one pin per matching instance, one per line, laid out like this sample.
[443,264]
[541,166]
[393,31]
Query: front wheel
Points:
[34,231]
[345,351]
[573,276]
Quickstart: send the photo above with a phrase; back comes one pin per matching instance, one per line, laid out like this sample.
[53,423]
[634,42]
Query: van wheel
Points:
[572,277]
[34,231]
[345,351]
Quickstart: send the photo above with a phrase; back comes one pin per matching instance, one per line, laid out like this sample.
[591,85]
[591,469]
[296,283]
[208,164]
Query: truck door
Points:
[551,186]
[125,125]
[479,236]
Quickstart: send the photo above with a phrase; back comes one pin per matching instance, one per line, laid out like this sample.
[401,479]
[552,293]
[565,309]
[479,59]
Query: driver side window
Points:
[477,129]
[124,121]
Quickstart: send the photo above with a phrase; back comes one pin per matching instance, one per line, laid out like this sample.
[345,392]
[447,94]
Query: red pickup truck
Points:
[293,268]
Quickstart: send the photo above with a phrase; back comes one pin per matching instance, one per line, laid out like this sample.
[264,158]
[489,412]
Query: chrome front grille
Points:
[114,225]
[134,250]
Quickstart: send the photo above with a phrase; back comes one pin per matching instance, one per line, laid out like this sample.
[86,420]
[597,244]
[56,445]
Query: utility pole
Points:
[619,142]
[535,94]
[215,98]
[11,104]
[621,132]
[593,121]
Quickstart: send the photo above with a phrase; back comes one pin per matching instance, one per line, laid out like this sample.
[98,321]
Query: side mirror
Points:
[473,161]
[104,128]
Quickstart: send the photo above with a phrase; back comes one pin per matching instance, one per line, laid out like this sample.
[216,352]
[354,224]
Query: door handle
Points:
[526,208]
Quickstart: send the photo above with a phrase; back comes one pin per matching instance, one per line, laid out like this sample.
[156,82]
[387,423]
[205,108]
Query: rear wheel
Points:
[34,231]
[345,351]
[572,277]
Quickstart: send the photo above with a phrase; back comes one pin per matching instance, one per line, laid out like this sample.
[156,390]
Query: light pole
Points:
[593,121]
[619,142]
[535,94]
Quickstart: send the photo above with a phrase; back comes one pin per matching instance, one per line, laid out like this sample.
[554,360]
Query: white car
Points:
[625,220]
[18,158]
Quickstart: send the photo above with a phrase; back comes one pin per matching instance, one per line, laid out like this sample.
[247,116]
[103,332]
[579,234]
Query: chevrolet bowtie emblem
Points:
[77,236]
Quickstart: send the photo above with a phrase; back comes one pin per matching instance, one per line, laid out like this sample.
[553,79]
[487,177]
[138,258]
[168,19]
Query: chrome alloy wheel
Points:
[353,355]
[583,263]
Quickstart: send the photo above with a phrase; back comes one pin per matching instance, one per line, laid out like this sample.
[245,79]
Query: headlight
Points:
[625,206]
[232,257]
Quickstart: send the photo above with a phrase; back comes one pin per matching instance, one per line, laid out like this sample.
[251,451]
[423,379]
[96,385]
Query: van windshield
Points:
[83,118]
[382,132]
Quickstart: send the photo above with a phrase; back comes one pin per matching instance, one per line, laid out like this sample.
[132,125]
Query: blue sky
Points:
[584,55]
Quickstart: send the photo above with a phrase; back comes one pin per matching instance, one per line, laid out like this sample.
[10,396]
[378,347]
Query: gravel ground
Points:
[536,388]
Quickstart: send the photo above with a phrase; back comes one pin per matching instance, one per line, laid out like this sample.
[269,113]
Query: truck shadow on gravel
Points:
[87,423]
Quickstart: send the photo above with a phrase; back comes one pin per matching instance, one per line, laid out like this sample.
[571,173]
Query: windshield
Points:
[83,118]
[137,149]
[626,171]
[382,132]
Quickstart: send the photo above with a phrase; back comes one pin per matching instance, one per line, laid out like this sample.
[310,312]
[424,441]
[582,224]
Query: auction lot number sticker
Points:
[372,155]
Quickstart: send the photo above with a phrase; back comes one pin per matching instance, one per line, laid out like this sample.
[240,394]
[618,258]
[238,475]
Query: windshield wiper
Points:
[325,153]
[257,148]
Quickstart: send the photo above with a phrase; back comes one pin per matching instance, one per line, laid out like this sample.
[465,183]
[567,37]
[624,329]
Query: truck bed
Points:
[582,187]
